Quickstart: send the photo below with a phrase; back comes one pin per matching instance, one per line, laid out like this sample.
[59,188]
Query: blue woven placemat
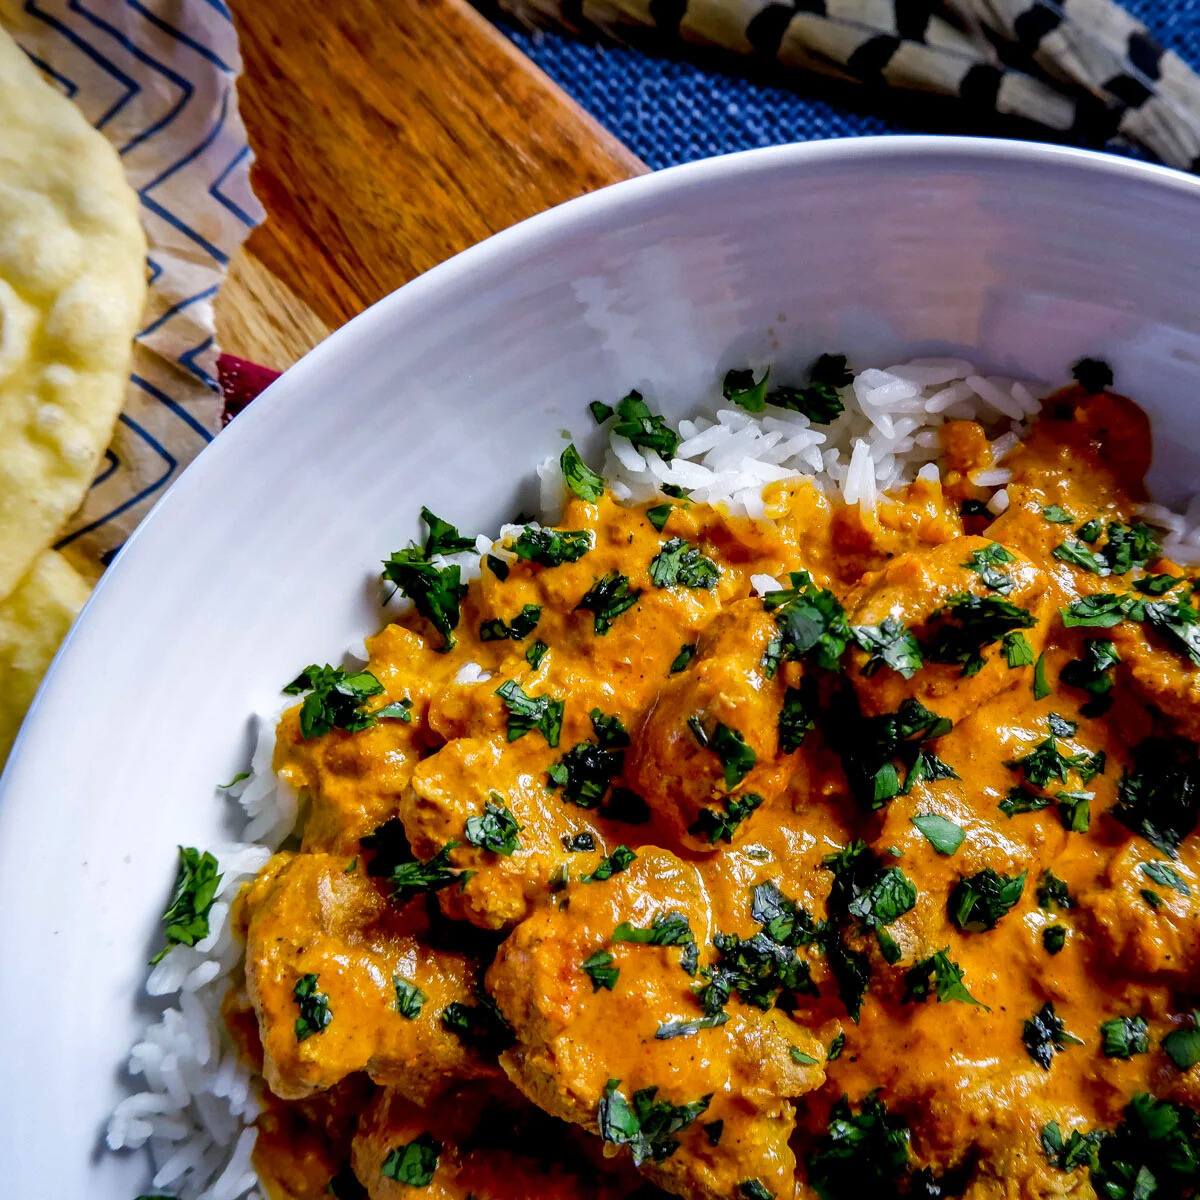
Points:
[669,111]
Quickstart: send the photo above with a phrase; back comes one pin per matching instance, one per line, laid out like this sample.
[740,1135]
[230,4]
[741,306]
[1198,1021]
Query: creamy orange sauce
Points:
[515,929]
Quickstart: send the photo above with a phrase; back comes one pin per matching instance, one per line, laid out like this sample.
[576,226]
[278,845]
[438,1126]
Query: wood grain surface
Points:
[389,135]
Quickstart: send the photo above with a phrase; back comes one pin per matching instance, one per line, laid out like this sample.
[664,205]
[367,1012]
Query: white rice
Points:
[196,1101]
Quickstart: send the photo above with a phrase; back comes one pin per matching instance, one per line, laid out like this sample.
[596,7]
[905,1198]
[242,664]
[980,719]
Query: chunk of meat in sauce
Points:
[679,776]
[565,1053]
[308,914]
[912,589]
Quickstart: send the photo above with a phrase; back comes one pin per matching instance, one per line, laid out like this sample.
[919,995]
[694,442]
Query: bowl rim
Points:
[605,204]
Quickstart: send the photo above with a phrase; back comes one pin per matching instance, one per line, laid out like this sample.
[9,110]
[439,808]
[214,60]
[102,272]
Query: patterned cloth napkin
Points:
[1084,69]
[157,77]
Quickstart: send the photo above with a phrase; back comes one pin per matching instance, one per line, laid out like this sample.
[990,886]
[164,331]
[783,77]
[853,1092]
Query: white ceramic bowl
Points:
[263,556]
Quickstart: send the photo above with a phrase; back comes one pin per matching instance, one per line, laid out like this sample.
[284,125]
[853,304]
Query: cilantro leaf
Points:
[410,878]
[683,659]
[436,592]
[966,624]
[519,628]
[646,430]
[740,388]
[939,973]
[535,652]
[185,920]
[607,598]
[646,1125]
[1101,610]
[667,929]
[1041,688]
[737,758]
[889,644]
[674,1029]
[1179,623]
[610,865]
[1079,555]
[1054,938]
[659,515]
[1159,798]
[398,710]
[1068,1154]
[580,478]
[543,713]
[1123,1037]
[497,566]
[810,621]
[819,400]
[719,825]
[552,547]
[481,1025]
[1164,874]
[1045,1035]
[1182,1045]
[942,834]
[679,563]
[986,563]
[413,1163]
[496,830]
[1092,673]
[585,773]
[1052,892]
[600,411]
[864,1153]
[442,537]
[1057,515]
[1151,1153]
[334,699]
[796,718]
[979,901]
[1092,374]
[315,1013]
[1157,585]
[599,969]
[1017,650]
[1021,800]
[409,998]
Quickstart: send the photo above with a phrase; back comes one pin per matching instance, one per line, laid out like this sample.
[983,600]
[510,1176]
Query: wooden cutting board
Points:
[389,135]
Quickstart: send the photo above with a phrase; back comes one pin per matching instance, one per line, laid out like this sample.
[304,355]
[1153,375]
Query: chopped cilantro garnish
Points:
[740,388]
[1156,585]
[796,718]
[578,843]
[669,929]
[1179,623]
[1046,762]
[754,1189]
[1041,688]
[1151,1153]
[818,400]
[551,547]
[1102,610]
[334,699]
[810,620]
[1159,798]
[729,746]
[979,901]
[1074,810]
[584,773]
[939,974]
[680,564]
[1123,1037]
[1092,672]
[414,1163]
[659,515]
[442,537]
[535,652]
[1054,938]
[719,825]
[861,1154]
[760,970]
[600,411]
[1079,555]
[1068,1154]
[238,778]
[496,830]
[1052,892]
[889,644]
[1165,875]
[967,623]
[580,478]
[1057,515]
[646,1125]
[398,710]
[986,563]
[1045,1035]
[480,1025]
[409,998]
[782,919]
[674,1029]
[1017,650]
[683,659]
[410,878]
[800,1058]
[543,713]
[599,969]
[1092,374]
[1182,1045]
[497,566]
[519,628]
[315,1013]
[646,430]
[185,921]
[1021,800]
[942,834]
[607,598]
[610,865]
[836,1047]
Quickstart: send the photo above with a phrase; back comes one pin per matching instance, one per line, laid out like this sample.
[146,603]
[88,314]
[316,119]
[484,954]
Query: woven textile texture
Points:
[670,109]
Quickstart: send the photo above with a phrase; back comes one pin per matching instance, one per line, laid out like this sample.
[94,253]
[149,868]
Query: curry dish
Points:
[623,868]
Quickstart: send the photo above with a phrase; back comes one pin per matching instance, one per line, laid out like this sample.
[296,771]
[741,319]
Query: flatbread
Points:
[72,287]
[33,620]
